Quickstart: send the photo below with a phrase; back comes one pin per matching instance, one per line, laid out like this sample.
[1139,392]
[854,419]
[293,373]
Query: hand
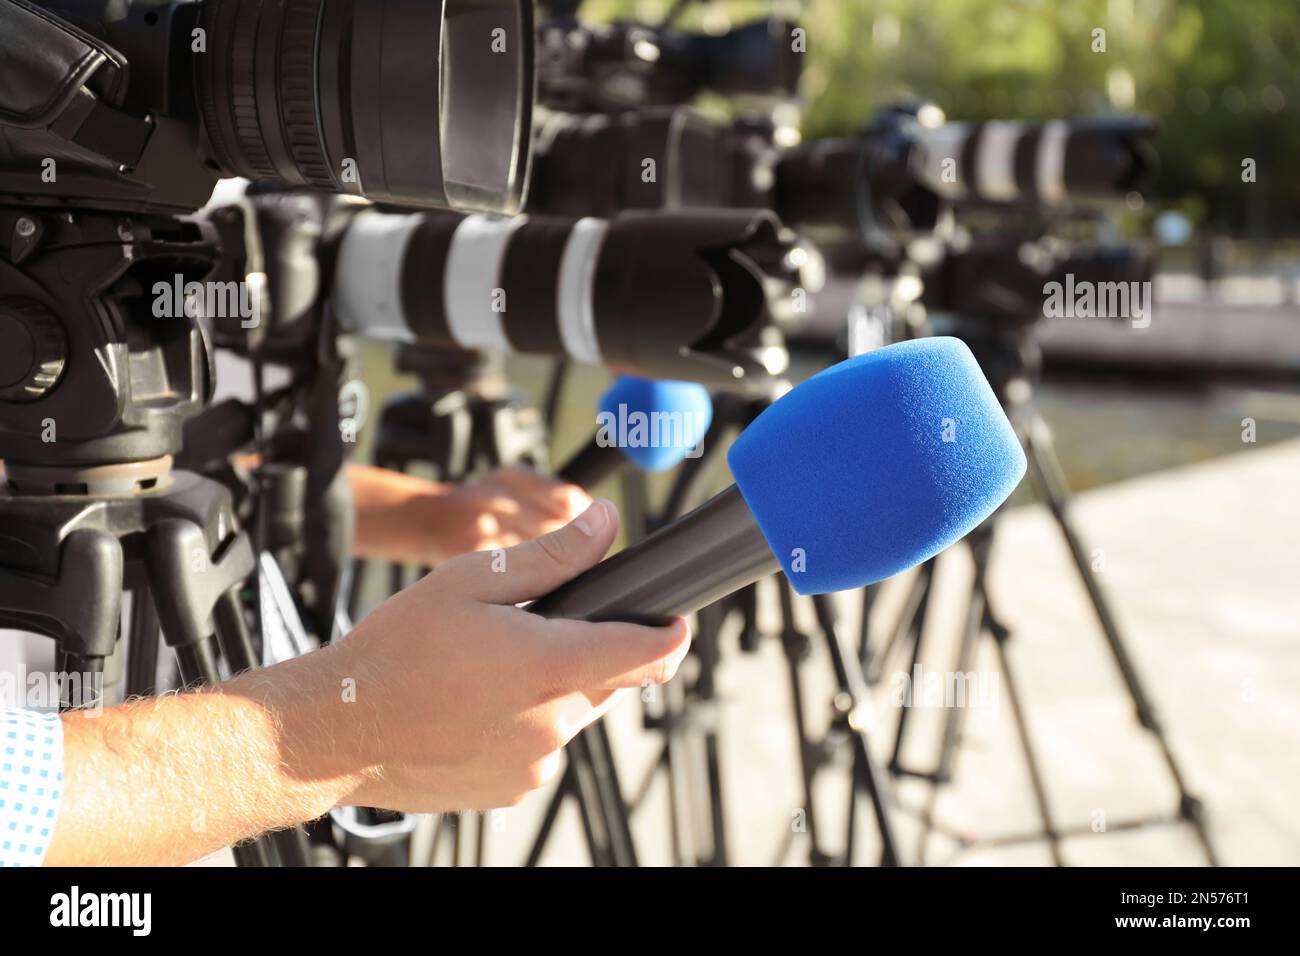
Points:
[410,520]
[447,697]
[500,510]
[463,701]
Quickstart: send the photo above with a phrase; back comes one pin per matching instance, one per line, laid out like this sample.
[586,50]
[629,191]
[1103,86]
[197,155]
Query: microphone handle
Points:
[698,559]
[592,465]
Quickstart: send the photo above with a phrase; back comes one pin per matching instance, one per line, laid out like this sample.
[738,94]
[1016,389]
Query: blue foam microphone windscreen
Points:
[877,464]
[654,423]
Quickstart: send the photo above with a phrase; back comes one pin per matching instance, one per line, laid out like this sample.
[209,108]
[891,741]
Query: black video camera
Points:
[119,116]
[141,105]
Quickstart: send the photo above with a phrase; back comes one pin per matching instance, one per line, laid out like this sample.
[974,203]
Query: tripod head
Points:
[104,359]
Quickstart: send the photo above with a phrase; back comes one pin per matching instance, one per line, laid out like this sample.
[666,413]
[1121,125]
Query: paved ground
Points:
[1202,564]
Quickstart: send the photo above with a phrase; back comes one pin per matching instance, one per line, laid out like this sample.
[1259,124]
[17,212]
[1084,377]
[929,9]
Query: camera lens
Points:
[415,102]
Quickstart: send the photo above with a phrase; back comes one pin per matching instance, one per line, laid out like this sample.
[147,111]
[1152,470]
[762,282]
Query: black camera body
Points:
[98,106]
[117,117]
[141,105]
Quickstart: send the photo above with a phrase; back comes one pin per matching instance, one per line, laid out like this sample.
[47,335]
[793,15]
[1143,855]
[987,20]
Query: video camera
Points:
[141,106]
[583,68]
[893,177]
[117,117]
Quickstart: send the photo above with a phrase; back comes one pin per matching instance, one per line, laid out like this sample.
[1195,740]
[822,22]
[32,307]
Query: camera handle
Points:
[56,77]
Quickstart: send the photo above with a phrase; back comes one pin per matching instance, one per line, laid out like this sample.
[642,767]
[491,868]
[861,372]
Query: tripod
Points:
[175,548]
[1010,363]
[91,507]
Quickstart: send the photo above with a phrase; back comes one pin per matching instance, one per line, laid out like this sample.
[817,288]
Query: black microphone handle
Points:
[698,559]
[592,465]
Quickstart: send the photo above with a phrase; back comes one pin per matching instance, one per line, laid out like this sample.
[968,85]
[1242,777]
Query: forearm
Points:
[393,511]
[388,506]
[169,780]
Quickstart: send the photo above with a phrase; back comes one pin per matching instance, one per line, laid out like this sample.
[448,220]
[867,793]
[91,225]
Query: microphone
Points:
[864,470]
[676,294]
[649,423]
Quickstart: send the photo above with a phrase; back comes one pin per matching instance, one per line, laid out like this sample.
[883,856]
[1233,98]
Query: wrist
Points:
[312,730]
[395,514]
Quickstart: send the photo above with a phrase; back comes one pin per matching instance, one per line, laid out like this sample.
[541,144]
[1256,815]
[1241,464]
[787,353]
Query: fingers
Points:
[574,713]
[607,657]
[536,567]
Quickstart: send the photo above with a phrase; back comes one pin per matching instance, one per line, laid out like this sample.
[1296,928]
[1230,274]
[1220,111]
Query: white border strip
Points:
[575,293]
[995,160]
[1049,164]
[478,248]
[368,276]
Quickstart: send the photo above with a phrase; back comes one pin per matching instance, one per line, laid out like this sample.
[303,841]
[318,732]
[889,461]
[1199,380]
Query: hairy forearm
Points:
[169,780]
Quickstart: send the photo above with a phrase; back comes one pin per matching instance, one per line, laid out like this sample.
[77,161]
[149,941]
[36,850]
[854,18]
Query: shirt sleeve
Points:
[31,784]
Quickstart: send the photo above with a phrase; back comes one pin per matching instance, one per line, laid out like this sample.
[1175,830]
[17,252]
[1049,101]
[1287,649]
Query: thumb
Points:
[536,567]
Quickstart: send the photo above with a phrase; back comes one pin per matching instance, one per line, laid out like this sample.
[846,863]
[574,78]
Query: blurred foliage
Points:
[1222,77]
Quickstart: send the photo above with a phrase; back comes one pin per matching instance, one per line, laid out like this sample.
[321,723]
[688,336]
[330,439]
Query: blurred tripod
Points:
[1009,360]
[92,507]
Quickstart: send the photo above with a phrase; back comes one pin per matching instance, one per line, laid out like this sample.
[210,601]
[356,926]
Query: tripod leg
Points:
[811,755]
[85,601]
[454,821]
[480,844]
[913,610]
[1050,479]
[1001,635]
[186,584]
[554,392]
[578,782]
[142,646]
[236,643]
[232,632]
[869,595]
[548,819]
[717,818]
[913,626]
[434,842]
[612,804]
[356,585]
[980,541]
[674,759]
[867,773]
[706,694]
